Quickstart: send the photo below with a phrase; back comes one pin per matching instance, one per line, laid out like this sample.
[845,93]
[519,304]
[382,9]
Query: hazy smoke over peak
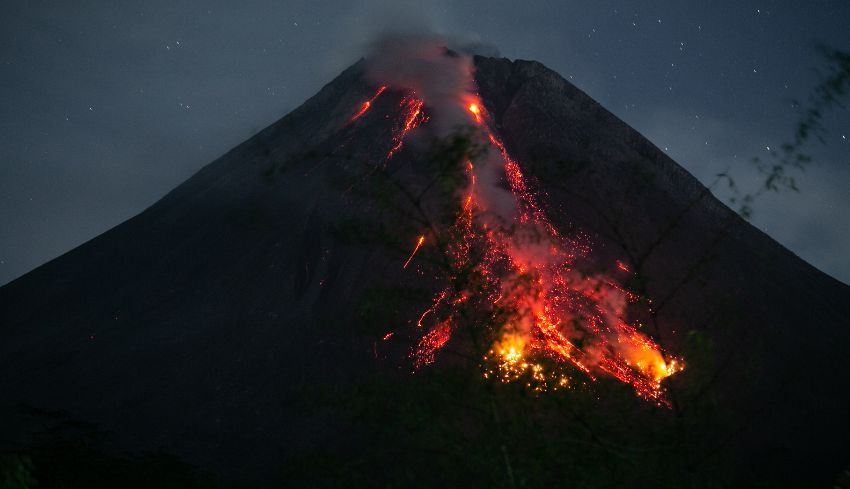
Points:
[442,73]
[425,64]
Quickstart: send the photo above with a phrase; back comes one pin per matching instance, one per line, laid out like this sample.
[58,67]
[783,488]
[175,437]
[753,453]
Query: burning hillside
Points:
[506,257]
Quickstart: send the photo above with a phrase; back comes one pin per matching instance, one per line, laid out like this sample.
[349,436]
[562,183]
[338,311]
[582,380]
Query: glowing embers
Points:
[566,317]
[508,361]
[435,339]
[367,104]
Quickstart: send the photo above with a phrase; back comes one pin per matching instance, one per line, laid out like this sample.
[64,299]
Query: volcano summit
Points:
[440,269]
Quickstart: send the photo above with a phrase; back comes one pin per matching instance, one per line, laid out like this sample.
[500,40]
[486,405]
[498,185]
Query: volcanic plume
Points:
[386,280]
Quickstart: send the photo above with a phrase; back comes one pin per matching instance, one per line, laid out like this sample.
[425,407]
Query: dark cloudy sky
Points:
[108,105]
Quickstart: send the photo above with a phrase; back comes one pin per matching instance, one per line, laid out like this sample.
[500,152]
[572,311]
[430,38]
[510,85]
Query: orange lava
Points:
[412,117]
[433,341]
[367,104]
[415,249]
[548,318]
[475,111]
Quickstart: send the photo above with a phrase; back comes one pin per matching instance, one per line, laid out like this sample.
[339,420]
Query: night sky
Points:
[106,106]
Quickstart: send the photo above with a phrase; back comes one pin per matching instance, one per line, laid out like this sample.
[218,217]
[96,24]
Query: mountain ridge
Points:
[218,288]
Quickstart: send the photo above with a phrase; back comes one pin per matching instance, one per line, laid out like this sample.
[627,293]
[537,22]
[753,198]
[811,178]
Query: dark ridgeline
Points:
[234,322]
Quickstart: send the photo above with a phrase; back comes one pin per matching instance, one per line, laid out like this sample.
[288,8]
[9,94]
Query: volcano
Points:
[282,317]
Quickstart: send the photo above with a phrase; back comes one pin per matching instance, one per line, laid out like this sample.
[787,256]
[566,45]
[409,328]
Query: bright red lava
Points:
[367,104]
[549,319]
[415,249]
[412,117]
[475,111]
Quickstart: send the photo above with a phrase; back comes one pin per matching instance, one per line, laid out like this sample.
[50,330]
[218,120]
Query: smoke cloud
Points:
[426,65]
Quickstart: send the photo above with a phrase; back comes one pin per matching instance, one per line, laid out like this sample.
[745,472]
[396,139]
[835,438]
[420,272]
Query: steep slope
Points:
[215,323]
[779,326]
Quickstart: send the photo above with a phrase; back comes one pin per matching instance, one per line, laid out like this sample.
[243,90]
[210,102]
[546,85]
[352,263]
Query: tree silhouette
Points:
[778,172]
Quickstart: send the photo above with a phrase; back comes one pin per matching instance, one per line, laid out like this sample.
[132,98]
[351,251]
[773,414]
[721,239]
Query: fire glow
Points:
[367,105]
[415,249]
[412,117]
[549,319]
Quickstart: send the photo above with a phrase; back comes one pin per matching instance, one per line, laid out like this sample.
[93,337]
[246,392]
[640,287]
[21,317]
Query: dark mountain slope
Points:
[234,322]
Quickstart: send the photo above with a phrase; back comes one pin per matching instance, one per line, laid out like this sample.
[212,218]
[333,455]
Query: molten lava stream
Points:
[367,104]
[415,249]
[552,307]
[412,117]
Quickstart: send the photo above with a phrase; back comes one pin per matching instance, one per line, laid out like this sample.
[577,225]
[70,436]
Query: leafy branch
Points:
[778,170]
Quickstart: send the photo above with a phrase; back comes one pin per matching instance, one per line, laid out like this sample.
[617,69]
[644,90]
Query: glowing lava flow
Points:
[412,117]
[367,104]
[547,317]
[415,249]
[475,110]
